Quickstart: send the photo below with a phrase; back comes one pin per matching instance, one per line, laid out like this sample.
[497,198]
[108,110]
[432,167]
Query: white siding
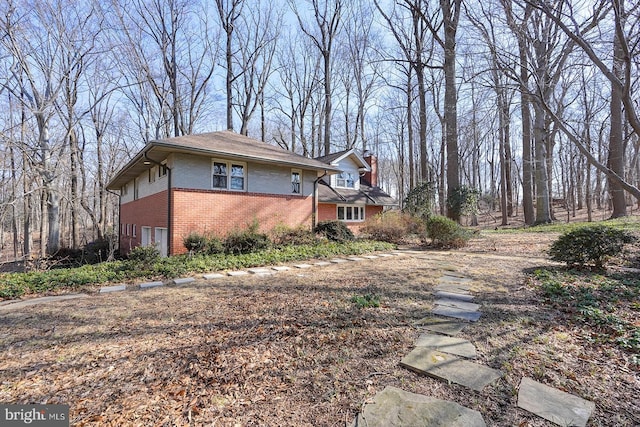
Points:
[349,166]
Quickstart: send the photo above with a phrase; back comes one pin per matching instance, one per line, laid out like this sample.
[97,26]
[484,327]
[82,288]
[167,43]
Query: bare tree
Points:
[327,15]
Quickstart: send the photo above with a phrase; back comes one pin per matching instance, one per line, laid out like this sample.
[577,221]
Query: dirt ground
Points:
[291,349]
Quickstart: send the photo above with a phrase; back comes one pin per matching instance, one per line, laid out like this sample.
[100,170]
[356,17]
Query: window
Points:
[296,185]
[152,175]
[162,170]
[228,176]
[136,189]
[346,180]
[127,230]
[125,189]
[351,213]
[134,229]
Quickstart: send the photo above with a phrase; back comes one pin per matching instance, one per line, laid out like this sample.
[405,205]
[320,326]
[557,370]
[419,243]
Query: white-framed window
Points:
[228,175]
[152,174]
[296,181]
[125,189]
[145,236]
[350,213]
[346,180]
[127,233]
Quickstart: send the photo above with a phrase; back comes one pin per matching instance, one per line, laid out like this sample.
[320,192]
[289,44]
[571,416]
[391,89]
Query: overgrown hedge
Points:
[14,285]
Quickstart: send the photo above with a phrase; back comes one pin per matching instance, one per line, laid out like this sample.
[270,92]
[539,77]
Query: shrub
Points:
[591,245]
[145,255]
[334,230]
[215,245]
[446,233]
[420,202]
[392,227]
[285,236]
[195,243]
[246,241]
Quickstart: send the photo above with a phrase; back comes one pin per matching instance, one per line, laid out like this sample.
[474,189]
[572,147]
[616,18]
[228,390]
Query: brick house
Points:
[352,195]
[222,181]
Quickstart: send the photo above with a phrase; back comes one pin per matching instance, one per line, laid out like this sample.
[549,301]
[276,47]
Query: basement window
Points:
[350,213]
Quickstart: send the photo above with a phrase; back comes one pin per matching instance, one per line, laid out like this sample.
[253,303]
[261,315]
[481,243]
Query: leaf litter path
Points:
[284,349]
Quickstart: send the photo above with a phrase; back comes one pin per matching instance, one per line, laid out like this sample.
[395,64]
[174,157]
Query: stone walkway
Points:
[438,353]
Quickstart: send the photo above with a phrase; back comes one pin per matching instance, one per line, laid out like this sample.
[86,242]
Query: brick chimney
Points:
[371,177]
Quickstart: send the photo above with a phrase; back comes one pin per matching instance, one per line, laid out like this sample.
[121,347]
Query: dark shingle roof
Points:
[367,195]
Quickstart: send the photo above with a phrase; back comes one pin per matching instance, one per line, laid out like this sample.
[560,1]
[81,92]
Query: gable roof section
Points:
[226,144]
[366,195]
[334,158]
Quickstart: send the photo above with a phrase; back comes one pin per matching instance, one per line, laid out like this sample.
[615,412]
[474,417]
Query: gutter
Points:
[169,199]
[314,211]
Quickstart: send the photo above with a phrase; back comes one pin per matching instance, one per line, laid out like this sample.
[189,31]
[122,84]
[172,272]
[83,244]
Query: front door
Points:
[161,241]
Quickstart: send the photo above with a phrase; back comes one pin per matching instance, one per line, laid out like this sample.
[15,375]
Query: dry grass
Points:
[292,349]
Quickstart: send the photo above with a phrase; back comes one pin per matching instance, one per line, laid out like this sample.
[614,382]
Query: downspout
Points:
[314,211]
[169,200]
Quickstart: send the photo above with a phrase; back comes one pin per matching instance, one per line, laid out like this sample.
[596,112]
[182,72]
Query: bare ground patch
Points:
[292,349]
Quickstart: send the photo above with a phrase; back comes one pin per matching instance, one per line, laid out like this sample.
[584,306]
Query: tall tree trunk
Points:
[450,12]
[616,157]
[543,206]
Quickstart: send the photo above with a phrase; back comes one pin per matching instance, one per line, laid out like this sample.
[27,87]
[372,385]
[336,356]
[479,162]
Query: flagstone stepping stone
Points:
[554,405]
[385,255]
[370,256]
[183,281]
[447,367]
[260,271]
[355,258]
[457,304]
[393,407]
[338,260]
[453,295]
[301,266]
[114,288]
[455,279]
[457,313]
[322,263]
[451,345]
[456,289]
[212,276]
[11,305]
[150,285]
[237,273]
[442,326]
[281,268]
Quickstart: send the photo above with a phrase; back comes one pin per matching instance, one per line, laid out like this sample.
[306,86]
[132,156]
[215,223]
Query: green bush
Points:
[244,242]
[446,233]
[590,246]
[215,245]
[145,255]
[195,243]
[421,200]
[334,230]
[283,235]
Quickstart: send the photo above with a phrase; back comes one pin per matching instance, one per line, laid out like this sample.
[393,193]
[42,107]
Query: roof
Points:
[335,158]
[225,144]
[366,195]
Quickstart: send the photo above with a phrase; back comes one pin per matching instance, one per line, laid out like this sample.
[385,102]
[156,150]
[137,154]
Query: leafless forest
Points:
[534,103]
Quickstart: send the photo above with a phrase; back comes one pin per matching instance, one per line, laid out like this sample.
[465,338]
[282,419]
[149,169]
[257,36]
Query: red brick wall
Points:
[221,212]
[150,211]
[328,211]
